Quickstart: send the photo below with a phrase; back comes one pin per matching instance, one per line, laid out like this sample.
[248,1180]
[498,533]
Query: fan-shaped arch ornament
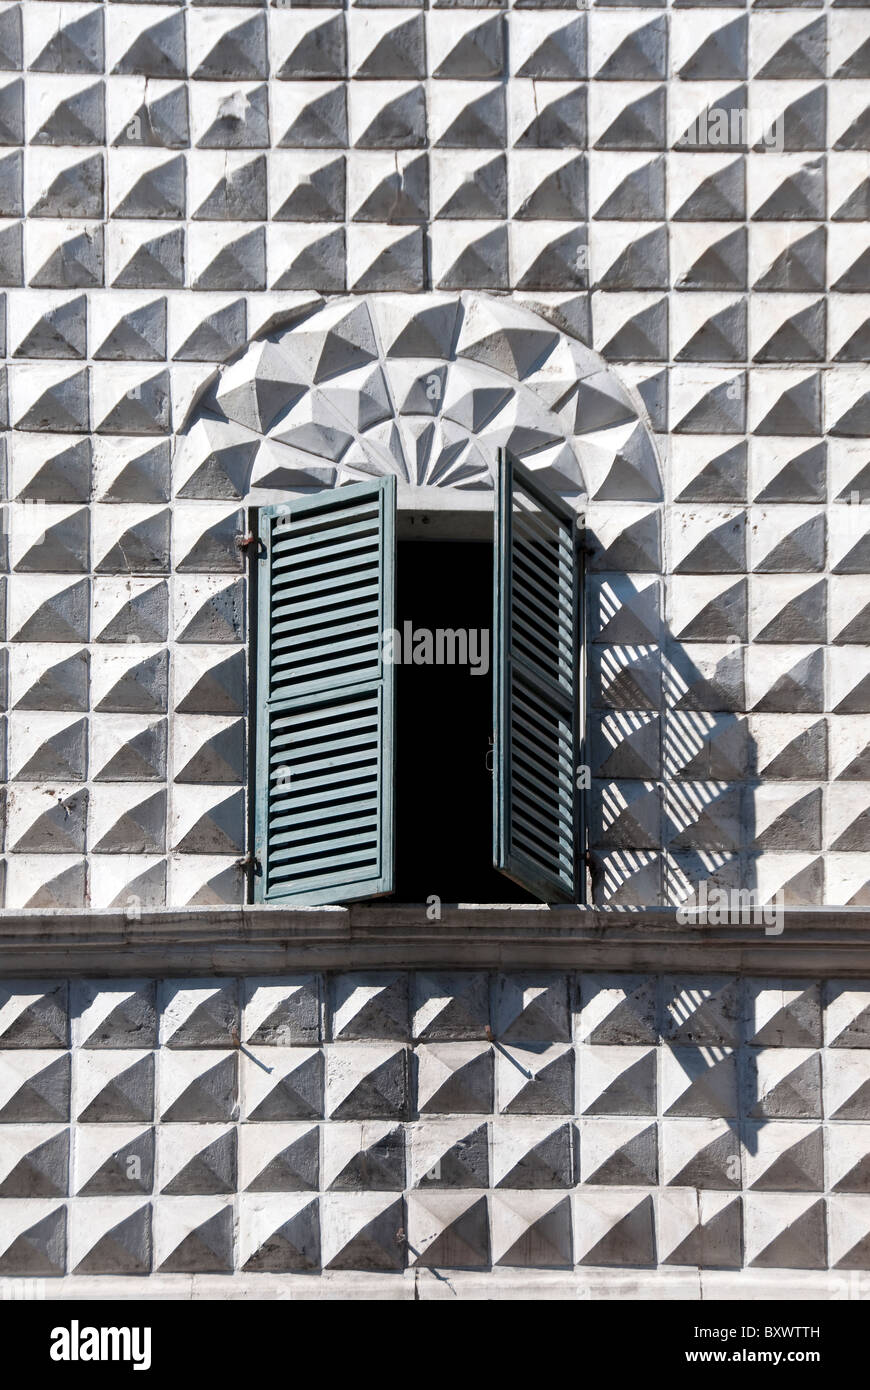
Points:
[425,387]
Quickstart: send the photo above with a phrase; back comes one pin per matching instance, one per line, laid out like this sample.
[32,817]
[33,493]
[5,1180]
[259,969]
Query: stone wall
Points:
[234,241]
[400,1127]
[179,180]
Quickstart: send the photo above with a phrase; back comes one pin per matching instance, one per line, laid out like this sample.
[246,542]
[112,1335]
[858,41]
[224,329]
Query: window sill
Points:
[230,940]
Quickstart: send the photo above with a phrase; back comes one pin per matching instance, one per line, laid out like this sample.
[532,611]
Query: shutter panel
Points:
[536,688]
[324,824]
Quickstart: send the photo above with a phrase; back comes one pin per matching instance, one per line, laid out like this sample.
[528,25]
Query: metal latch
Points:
[250,864]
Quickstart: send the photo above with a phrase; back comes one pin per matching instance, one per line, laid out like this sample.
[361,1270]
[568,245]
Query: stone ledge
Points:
[226,940]
[685,1284]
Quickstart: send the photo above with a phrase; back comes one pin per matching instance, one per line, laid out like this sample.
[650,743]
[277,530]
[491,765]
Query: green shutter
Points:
[536,688]
[323,801]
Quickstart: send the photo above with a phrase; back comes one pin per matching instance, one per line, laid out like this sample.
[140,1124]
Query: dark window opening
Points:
[443,783]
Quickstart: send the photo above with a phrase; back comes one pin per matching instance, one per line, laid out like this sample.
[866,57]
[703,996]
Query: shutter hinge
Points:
[252,544]
[250,864]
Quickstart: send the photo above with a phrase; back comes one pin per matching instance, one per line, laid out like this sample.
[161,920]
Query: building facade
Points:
[251,254]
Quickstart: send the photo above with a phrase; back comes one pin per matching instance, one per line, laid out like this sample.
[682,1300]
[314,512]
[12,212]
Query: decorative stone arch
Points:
[427,387]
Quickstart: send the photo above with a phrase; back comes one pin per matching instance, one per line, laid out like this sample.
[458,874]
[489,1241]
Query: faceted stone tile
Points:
[370,1005]
[199,1013]
[33,1237]
[279,1085]
[784,1157]
[782,1082]
[701,1153]
[619,1152]
[61,876]
[702,1010]
[363,1231]
[368,1156]
[369,1081]
[34,1087]
[197,1160]
[617,1009]
[531,1230]
[617,1080]
[785,1230]
[197,1087]
[455,1078]
[279,1233]
[114,1161]
[531,1009]
[535,1079]
[848,1216]
[283,1012]
[194,1235]
[110,1235]
[783,1013]
[699,1081]
[114,1013]
[529,1155]
[449,1153]
[703,1229]
[452,1006]
[849,1158]
[449,1230]
[35,1161]
[114,1086]
[846,1086]
[34,1014]
[279,1157]
[614,1227]
[847,1013]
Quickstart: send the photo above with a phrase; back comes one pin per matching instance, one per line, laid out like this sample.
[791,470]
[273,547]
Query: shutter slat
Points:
[330,773]
[354,552]
[291,607]
[358,642]
[344,619]
[538,583]
[348,882]
[338,849]
[542,742]
[537,693]
[529,770]
[289,740]
[303,803]
[291,544]
[306,827]
[365,563]
[325,757]
[352,710]
[544,556]
[319,520]
[545,803]
[532,812]
[331,583]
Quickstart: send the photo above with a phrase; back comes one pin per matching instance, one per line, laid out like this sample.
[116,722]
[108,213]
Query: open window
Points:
[441,761]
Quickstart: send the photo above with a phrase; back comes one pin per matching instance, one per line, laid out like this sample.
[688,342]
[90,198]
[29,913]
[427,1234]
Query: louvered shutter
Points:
[323,819]
[536,688]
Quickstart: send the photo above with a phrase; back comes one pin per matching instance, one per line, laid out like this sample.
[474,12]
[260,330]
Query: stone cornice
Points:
[225,940]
